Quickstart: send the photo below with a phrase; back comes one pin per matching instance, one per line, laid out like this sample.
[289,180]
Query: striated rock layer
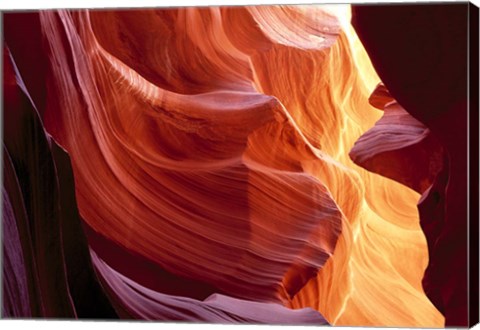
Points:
[431,84]
[215,156]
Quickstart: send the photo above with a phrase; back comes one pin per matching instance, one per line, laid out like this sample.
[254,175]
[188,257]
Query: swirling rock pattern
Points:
[236,156]
[399,146]
[435,93]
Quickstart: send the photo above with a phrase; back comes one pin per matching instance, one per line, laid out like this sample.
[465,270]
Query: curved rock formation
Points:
[210,149]
[430,82]
[47,270]
[399,146]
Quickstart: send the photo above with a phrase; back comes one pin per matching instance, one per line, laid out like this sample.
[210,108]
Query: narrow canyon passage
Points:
[251,155]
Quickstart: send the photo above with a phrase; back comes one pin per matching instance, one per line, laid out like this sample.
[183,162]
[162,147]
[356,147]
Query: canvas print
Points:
[284,164]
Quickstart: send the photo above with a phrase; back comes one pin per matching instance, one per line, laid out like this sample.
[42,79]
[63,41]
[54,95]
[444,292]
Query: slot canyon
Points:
[262,164]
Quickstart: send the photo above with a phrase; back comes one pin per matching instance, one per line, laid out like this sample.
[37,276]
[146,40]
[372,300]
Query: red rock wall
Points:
[229,164]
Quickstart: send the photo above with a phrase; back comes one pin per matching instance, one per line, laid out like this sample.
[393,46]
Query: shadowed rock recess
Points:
[229,165]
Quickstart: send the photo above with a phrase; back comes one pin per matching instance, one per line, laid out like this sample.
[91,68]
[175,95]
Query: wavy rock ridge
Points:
[210,148]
